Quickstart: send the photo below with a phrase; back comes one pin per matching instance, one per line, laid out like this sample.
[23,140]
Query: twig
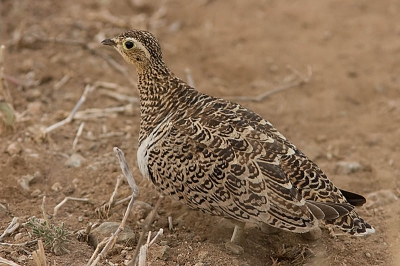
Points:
[111,134]
[170,225]
[122,201]
[39,257]
[302,80]
[146,228]
[127,173]
[8,262]
[67,120]
[61,82]
[112,86]
[97,113]
[135,192]
[145,247]
[43,208]
[10,228]
[78,134]
[3,84]
[104,210]
[111,241]
[65,200]
[119,96]
[189,77]
[27,243]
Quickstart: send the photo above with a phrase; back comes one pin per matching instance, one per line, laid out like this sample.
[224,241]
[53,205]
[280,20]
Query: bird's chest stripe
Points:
[145,146]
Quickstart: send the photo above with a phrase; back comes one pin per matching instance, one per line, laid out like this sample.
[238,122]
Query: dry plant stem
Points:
[43,208]
[127,173]
[58,206]
[61,82]
[3,84]
[119,96]
[114,194]
[39,257]
[28,243]
[78,134]
[104,210]
[145,247]
[189,77]
[95,257]
[170,224]
[302,80]
[110,85]
[122,201]
[97,113]
[111,240]
[70,117]
[10,228]
[146,228]
[7,262]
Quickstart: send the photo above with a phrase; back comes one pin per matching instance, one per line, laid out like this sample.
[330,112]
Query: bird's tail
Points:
[352,224]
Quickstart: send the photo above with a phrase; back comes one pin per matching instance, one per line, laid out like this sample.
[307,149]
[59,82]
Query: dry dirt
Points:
[349,111]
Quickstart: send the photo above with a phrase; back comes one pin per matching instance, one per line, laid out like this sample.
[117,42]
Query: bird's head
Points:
[137,47]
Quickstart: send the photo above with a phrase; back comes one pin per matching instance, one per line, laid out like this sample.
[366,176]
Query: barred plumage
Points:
[219,157]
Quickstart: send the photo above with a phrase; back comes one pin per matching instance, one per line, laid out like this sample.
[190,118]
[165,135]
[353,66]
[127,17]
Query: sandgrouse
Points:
[223,159]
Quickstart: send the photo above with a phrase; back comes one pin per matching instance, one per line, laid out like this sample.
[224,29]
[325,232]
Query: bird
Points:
[220,157]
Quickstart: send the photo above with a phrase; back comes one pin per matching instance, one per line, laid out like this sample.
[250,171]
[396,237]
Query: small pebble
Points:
[368,255]
[56,187]
[35,107]
[381,198]
[75,161]
[14,148]
[80,219]
[346,168]
[124,253]
[140,209]
[235,249]
[22,258]
[18,236]
[36,193]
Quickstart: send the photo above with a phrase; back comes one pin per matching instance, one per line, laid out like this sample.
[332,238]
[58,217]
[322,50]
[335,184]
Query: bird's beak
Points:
[109,42]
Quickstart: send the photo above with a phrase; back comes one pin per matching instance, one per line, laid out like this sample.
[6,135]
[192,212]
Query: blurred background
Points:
[335,68]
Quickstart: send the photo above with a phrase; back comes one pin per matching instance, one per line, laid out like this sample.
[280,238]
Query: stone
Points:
[160,252]
[75,161]
[346,168]
[235,249]
[14,148]
[380,198]
[140,209]
[36,193]
[25,181]
[56,187]
[106,229]
[18,236]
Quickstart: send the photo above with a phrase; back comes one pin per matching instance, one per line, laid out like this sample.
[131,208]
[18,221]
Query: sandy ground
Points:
[349,111]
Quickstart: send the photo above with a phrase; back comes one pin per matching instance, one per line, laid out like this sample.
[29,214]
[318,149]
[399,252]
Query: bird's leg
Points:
[270,230]
[238,233]
[237,239]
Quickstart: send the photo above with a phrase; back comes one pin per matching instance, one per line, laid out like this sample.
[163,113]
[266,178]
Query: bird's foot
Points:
[270,230]
[237,239]
[313,234]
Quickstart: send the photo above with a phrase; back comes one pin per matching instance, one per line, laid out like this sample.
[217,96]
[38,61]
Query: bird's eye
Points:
[129,45]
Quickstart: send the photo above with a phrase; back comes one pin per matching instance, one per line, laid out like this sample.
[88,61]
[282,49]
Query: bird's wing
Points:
[219,160]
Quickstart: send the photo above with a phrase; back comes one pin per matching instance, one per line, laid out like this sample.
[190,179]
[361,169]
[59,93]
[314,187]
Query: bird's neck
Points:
[160,95]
